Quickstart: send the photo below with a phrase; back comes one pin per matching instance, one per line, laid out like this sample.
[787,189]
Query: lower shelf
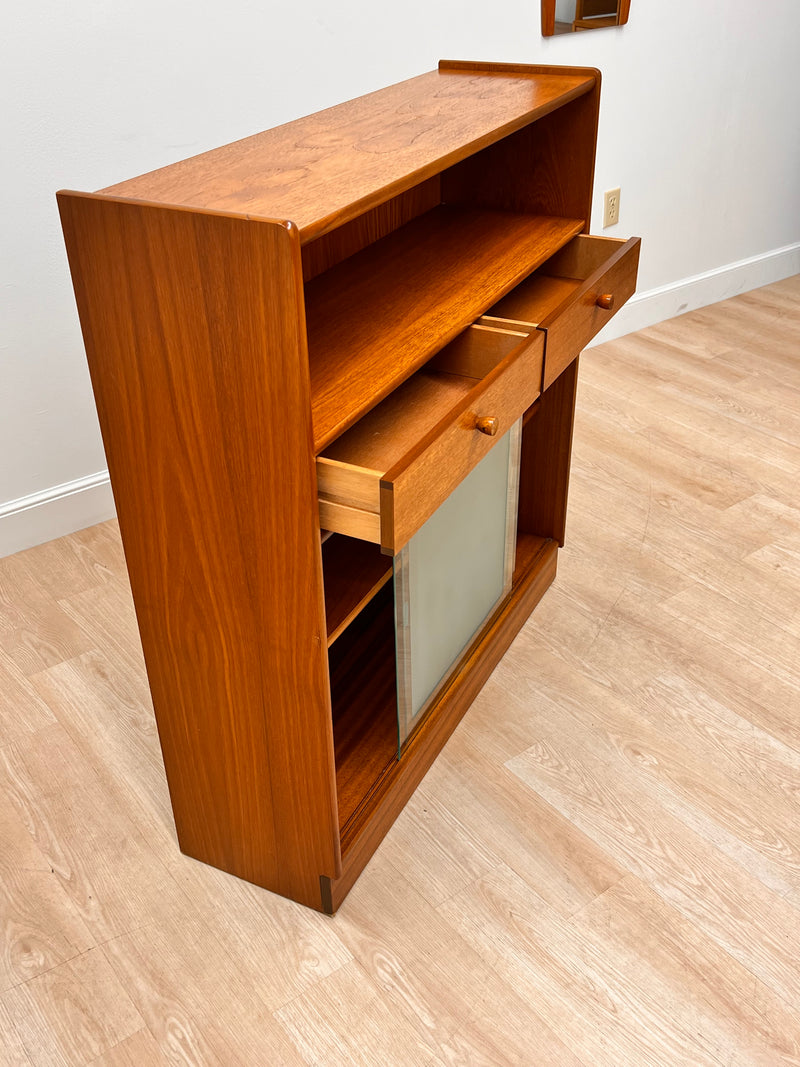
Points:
[354,572]
[364,703]
[373,785]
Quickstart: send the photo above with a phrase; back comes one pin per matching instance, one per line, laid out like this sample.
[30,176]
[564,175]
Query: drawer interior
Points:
[349,471]
[556,282]
[561,299]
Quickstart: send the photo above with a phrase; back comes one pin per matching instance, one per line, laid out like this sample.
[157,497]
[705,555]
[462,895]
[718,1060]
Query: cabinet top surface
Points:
[319,171]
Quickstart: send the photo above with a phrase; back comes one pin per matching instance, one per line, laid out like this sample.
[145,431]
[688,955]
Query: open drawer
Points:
[383,478]
[572,296]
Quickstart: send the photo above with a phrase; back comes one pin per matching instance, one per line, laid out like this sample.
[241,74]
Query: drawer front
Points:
[574,323]
[426,476]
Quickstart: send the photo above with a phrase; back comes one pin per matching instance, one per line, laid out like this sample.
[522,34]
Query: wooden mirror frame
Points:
[549,16]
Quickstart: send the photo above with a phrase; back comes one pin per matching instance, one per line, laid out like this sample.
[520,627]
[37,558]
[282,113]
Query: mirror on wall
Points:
[571,16]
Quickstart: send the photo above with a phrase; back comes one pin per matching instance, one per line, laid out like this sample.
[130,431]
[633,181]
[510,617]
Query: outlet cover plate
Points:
[611,208]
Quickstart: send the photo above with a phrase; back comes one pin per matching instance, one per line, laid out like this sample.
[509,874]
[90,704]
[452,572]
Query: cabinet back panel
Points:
[546,168]
[350,238]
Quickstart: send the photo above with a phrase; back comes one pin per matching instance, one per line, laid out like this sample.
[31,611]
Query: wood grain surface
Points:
[602,867]
[405,457]
[574,295]
[416,290]
[572,326]
[423,479]
[190,364]
[223,357]
[545,459]
[355,571]
[546,168]
[427,123]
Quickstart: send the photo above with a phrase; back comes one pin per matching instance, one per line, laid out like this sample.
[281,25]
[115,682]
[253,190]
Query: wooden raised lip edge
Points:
[484,66]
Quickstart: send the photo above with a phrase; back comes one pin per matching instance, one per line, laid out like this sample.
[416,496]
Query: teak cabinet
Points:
[329,327]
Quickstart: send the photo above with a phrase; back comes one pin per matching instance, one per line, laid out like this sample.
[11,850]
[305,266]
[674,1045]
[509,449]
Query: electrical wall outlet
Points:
[611,208]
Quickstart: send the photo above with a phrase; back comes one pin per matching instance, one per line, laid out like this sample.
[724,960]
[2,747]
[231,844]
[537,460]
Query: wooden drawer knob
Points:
[605,301]
[487,424]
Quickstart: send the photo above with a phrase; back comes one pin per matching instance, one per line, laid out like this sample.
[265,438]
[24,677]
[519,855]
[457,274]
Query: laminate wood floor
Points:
[601,869]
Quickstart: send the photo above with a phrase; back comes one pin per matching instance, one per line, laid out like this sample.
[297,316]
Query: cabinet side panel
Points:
[194,332]
[546,168]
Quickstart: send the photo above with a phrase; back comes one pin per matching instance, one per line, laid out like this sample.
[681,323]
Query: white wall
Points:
[698,127]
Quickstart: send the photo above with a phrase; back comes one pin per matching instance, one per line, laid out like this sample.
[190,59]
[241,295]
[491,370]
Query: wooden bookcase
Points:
[400,268]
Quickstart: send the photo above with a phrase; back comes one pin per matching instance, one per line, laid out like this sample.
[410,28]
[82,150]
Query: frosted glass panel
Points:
[451,575]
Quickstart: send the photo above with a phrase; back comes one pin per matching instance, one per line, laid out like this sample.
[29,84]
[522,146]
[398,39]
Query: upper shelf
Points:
[376,317]
[328,168]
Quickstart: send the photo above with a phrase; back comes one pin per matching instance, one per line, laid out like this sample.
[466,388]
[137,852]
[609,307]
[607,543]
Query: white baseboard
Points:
[62,509]
[656,305]
[40,517]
